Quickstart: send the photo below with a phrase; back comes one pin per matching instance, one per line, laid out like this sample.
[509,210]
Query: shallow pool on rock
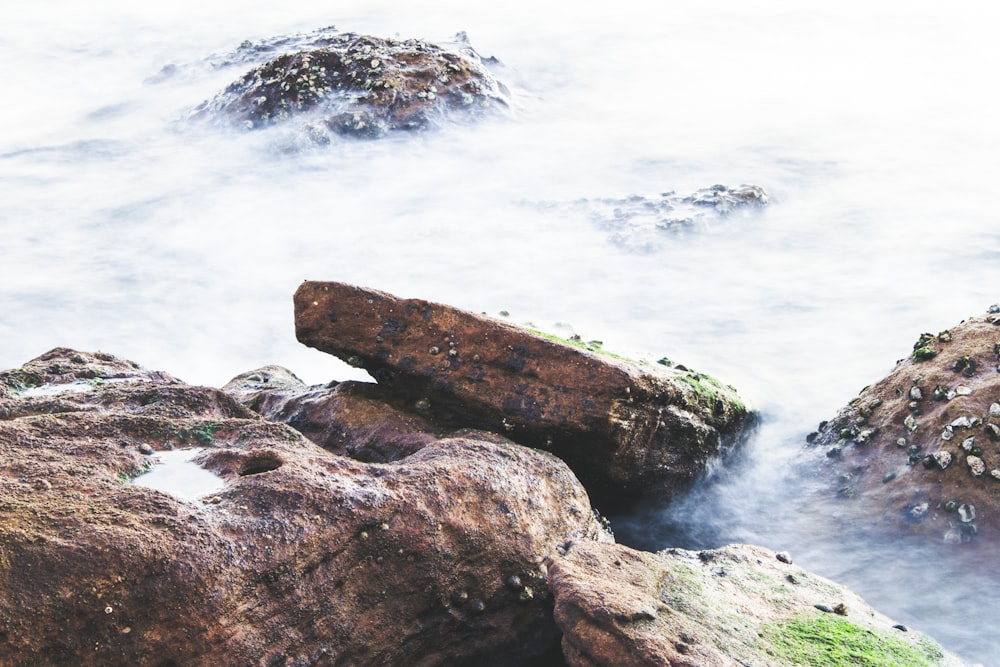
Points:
[176,472]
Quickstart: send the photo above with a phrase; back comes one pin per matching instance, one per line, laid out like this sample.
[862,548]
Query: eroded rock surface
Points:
[624,428]
[919,451]
[302,558]
[361,420]
[728,607]
[358,85]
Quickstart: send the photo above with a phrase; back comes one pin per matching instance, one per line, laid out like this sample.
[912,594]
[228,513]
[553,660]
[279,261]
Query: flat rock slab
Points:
[300,558]
[918,452]
[729,607]
[634,430]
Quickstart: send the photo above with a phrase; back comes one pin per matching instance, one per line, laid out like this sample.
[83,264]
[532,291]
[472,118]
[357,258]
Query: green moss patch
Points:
[577,342]
[832,641]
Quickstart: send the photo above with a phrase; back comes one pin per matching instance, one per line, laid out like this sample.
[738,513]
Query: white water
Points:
[871,124]
[176,472]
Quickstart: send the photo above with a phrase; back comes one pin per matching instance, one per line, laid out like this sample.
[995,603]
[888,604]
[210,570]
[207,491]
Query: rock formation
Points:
[729,607]
[302,558]
[357,419]
[358,85]
[625,429]
[919,451]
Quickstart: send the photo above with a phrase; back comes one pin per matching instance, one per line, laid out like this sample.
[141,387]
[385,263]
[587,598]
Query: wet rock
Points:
[965,387]
[639,222]
[303,557]
[725,607]
[358,85]
[623,428]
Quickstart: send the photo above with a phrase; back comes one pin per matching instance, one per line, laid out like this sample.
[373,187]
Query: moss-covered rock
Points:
[626,429]
[729,607]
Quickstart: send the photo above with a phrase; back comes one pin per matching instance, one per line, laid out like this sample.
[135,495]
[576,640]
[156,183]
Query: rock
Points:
[354,419]
[737,605]
[623,428]
[642,222]
[951,377]
[302,557]
[358,85]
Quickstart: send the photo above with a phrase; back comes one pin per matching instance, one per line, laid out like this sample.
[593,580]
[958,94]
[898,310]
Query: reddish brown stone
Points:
[915,451]
[631,429]
[354,419]
[302,558]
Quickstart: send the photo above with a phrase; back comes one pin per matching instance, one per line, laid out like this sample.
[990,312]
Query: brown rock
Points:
[631,429]
[301,558]
[354,419]
[718,608]
[359,85]
[915,451]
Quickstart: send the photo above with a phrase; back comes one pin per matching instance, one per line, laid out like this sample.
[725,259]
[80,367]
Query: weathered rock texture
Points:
[303,558]
[360,85]
[734,606]
[625,428]
[357,419]
[919,451]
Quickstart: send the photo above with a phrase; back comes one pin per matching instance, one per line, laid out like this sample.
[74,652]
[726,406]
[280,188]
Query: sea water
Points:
[128,229]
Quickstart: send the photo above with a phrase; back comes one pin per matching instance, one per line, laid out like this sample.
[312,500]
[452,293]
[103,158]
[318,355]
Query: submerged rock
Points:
[639,222]
[624,428]
[932,437]
[302,557]
[359,85]
[733,606]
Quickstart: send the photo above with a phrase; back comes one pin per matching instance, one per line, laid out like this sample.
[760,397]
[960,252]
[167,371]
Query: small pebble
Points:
[784,557]
[144,448]
[976,465]
[943,459]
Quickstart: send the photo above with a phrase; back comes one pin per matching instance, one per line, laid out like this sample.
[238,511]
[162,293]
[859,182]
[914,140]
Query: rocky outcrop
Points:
[301,557]
[358,85]
[642,223]
[919,451]
[624,428]
[738,605]
[357,419]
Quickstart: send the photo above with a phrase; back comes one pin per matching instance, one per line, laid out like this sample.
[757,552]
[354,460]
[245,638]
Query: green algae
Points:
[577,342]
[832,641]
